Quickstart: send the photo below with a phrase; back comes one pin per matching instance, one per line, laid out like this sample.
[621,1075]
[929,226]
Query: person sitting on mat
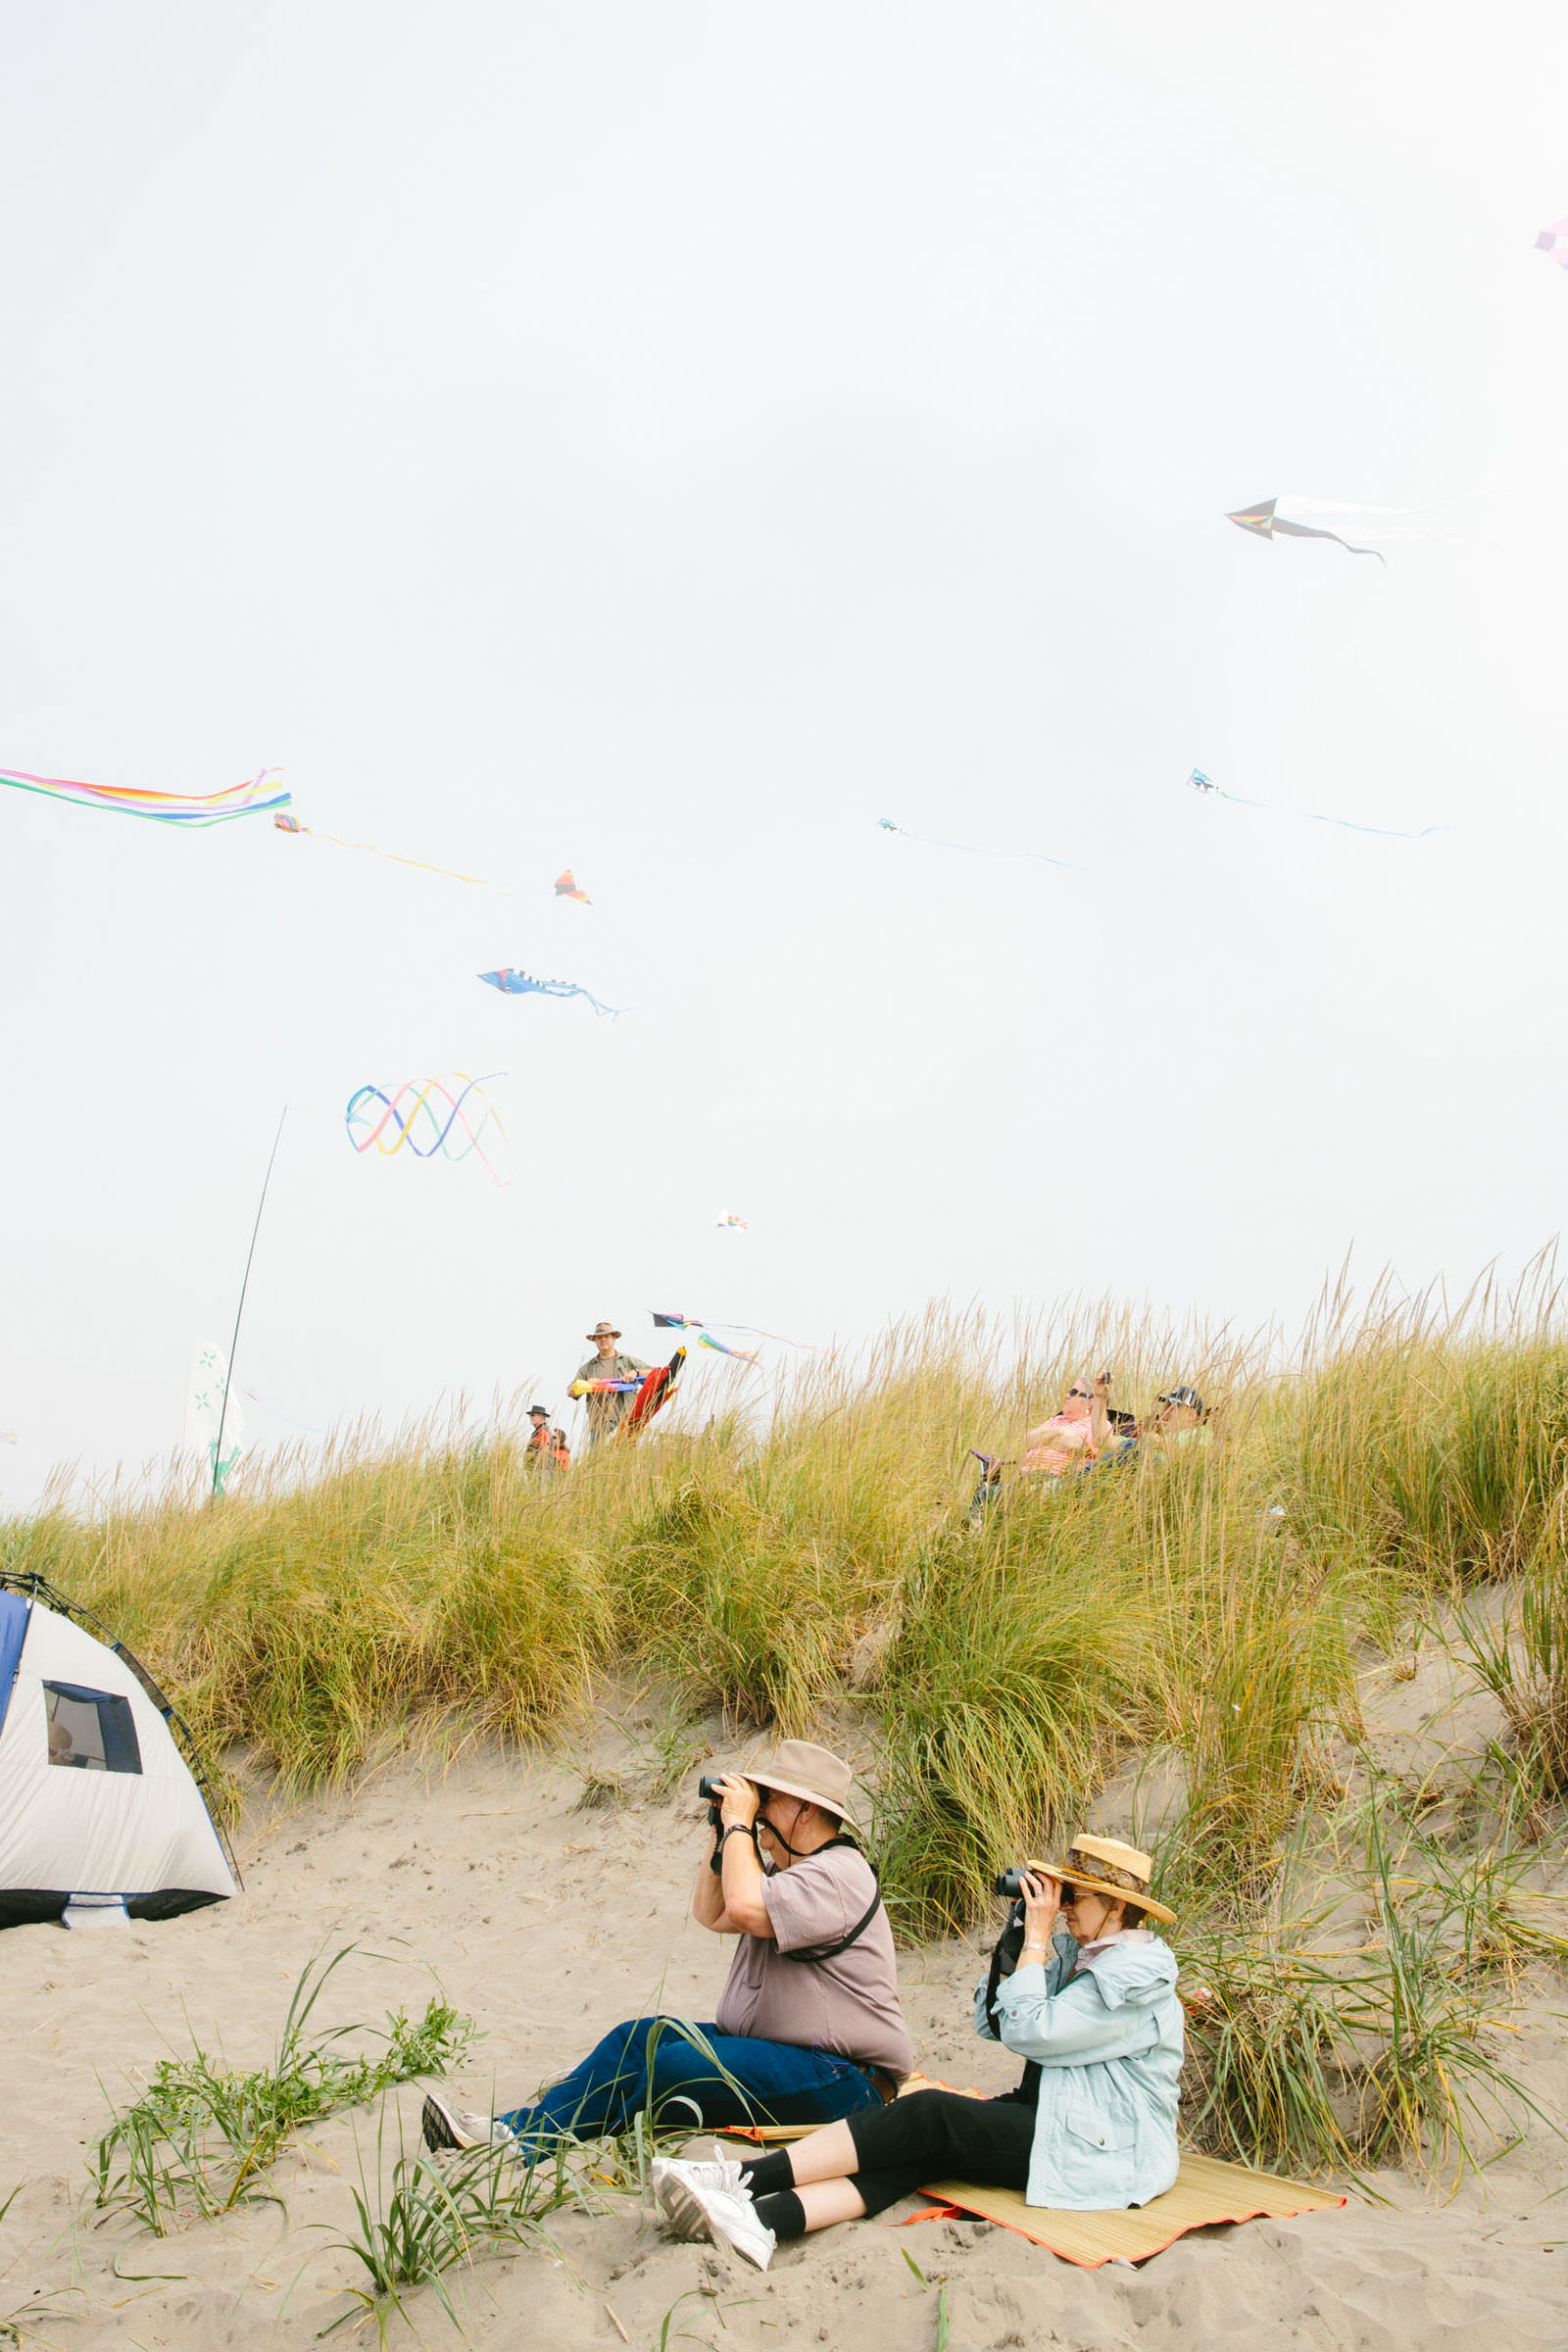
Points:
[808,2025]
[1091,2004]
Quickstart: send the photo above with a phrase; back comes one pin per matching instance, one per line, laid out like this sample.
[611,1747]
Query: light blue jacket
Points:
[1108,2042]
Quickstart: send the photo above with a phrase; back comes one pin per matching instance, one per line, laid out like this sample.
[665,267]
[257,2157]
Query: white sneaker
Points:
[446,2127]
[671,2177]
[696,2207]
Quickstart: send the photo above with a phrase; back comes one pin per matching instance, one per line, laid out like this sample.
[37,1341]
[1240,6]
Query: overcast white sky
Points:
[665,439]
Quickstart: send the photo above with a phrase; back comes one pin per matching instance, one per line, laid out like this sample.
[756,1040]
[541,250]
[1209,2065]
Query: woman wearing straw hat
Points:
[1091,2003]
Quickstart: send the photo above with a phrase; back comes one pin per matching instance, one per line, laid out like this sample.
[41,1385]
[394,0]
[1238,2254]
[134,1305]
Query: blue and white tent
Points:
[100,1816]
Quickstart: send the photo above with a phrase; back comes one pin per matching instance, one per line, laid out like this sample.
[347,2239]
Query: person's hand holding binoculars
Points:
[1042,1900]
[738,1800]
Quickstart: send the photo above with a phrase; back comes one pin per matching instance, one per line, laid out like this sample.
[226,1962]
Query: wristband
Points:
[736,1829]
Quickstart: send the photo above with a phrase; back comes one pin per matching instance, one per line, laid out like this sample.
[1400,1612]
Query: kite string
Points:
[970,849]
[1314,817]
[448,873]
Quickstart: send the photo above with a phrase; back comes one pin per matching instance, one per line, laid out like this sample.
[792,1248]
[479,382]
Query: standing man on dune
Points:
[606,1413]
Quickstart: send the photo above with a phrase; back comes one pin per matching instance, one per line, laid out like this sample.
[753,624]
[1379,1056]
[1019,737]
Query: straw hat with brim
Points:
[799,1769]
[603,1331]
[1107,1867]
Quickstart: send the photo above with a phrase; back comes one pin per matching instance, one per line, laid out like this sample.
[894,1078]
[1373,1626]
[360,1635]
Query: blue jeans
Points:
[651,2063]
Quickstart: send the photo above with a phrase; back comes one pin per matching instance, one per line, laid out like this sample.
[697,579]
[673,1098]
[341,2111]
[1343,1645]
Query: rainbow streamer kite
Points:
[971,849]
[291,825]
[705,1339]
[263,792]
[567,888]
[739,1224]
[452,1116]
[1201,783]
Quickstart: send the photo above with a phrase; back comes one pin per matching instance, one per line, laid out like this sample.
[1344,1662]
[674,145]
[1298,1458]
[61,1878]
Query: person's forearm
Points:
[743,1879]
[708,1897]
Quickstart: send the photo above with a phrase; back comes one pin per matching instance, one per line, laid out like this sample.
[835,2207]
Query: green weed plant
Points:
[202,2138]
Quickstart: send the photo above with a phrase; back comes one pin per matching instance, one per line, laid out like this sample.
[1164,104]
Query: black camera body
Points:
[708,1789]
[1010,1881]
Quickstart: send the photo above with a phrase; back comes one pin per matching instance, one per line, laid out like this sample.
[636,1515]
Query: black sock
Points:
[782,2213]
[766,2175]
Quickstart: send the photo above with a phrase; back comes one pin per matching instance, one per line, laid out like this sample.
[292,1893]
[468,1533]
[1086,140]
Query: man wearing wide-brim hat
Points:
[607,1412]
[807,2026]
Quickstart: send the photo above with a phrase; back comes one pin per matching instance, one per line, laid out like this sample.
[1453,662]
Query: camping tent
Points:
[100,1816]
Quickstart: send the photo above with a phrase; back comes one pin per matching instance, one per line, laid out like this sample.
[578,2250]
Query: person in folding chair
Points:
[1091,2004]
[808,2025]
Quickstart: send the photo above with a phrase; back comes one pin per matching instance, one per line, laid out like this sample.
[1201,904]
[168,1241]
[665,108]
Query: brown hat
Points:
[1107,1867]
[603,1331]
[798,1769]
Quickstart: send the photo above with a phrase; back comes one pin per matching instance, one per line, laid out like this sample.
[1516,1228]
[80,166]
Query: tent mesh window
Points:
[92,1731]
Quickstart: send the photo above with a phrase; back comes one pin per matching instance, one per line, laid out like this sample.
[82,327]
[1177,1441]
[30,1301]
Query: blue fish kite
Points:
[518,984]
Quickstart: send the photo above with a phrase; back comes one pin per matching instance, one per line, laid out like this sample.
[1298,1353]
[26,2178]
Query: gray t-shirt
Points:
[848,2006]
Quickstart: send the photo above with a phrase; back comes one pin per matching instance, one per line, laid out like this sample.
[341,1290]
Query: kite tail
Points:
[1315,816]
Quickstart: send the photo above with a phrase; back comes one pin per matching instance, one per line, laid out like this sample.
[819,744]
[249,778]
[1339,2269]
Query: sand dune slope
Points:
[549,1923]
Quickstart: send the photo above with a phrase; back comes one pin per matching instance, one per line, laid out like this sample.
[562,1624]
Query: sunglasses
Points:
[1088,1393]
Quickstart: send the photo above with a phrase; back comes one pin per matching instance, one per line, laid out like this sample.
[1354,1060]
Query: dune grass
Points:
[1208,1603]
[203,2137]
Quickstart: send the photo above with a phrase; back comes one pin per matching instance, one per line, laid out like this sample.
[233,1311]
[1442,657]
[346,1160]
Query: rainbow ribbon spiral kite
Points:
[426,1116]
[263,792]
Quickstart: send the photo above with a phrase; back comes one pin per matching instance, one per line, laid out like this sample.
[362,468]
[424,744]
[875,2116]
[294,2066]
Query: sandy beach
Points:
[548,1922]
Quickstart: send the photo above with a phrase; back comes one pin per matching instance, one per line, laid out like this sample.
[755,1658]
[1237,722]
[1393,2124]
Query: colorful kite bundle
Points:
[263,792]
[567,888]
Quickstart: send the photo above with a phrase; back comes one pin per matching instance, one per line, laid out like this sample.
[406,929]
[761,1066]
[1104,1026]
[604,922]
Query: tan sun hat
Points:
[601,1331]
[798,1769]
[1107,1867]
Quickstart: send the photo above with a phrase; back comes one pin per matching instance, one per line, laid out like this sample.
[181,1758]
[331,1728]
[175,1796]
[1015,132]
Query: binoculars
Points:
[1010,1881]
[708,1789]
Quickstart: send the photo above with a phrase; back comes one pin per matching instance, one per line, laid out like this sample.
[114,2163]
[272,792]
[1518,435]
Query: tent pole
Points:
[228,1374]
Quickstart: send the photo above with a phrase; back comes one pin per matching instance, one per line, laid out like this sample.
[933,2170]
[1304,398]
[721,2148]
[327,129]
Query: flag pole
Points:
[228,1374]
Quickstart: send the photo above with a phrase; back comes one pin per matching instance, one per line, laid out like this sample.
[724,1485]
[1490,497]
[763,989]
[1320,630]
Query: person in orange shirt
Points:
[546,1450]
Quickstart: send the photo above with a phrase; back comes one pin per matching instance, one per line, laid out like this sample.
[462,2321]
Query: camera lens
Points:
[1011,1883]
[708,1789]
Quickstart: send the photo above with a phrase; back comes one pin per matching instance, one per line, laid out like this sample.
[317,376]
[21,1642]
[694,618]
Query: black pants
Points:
[939,2136]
